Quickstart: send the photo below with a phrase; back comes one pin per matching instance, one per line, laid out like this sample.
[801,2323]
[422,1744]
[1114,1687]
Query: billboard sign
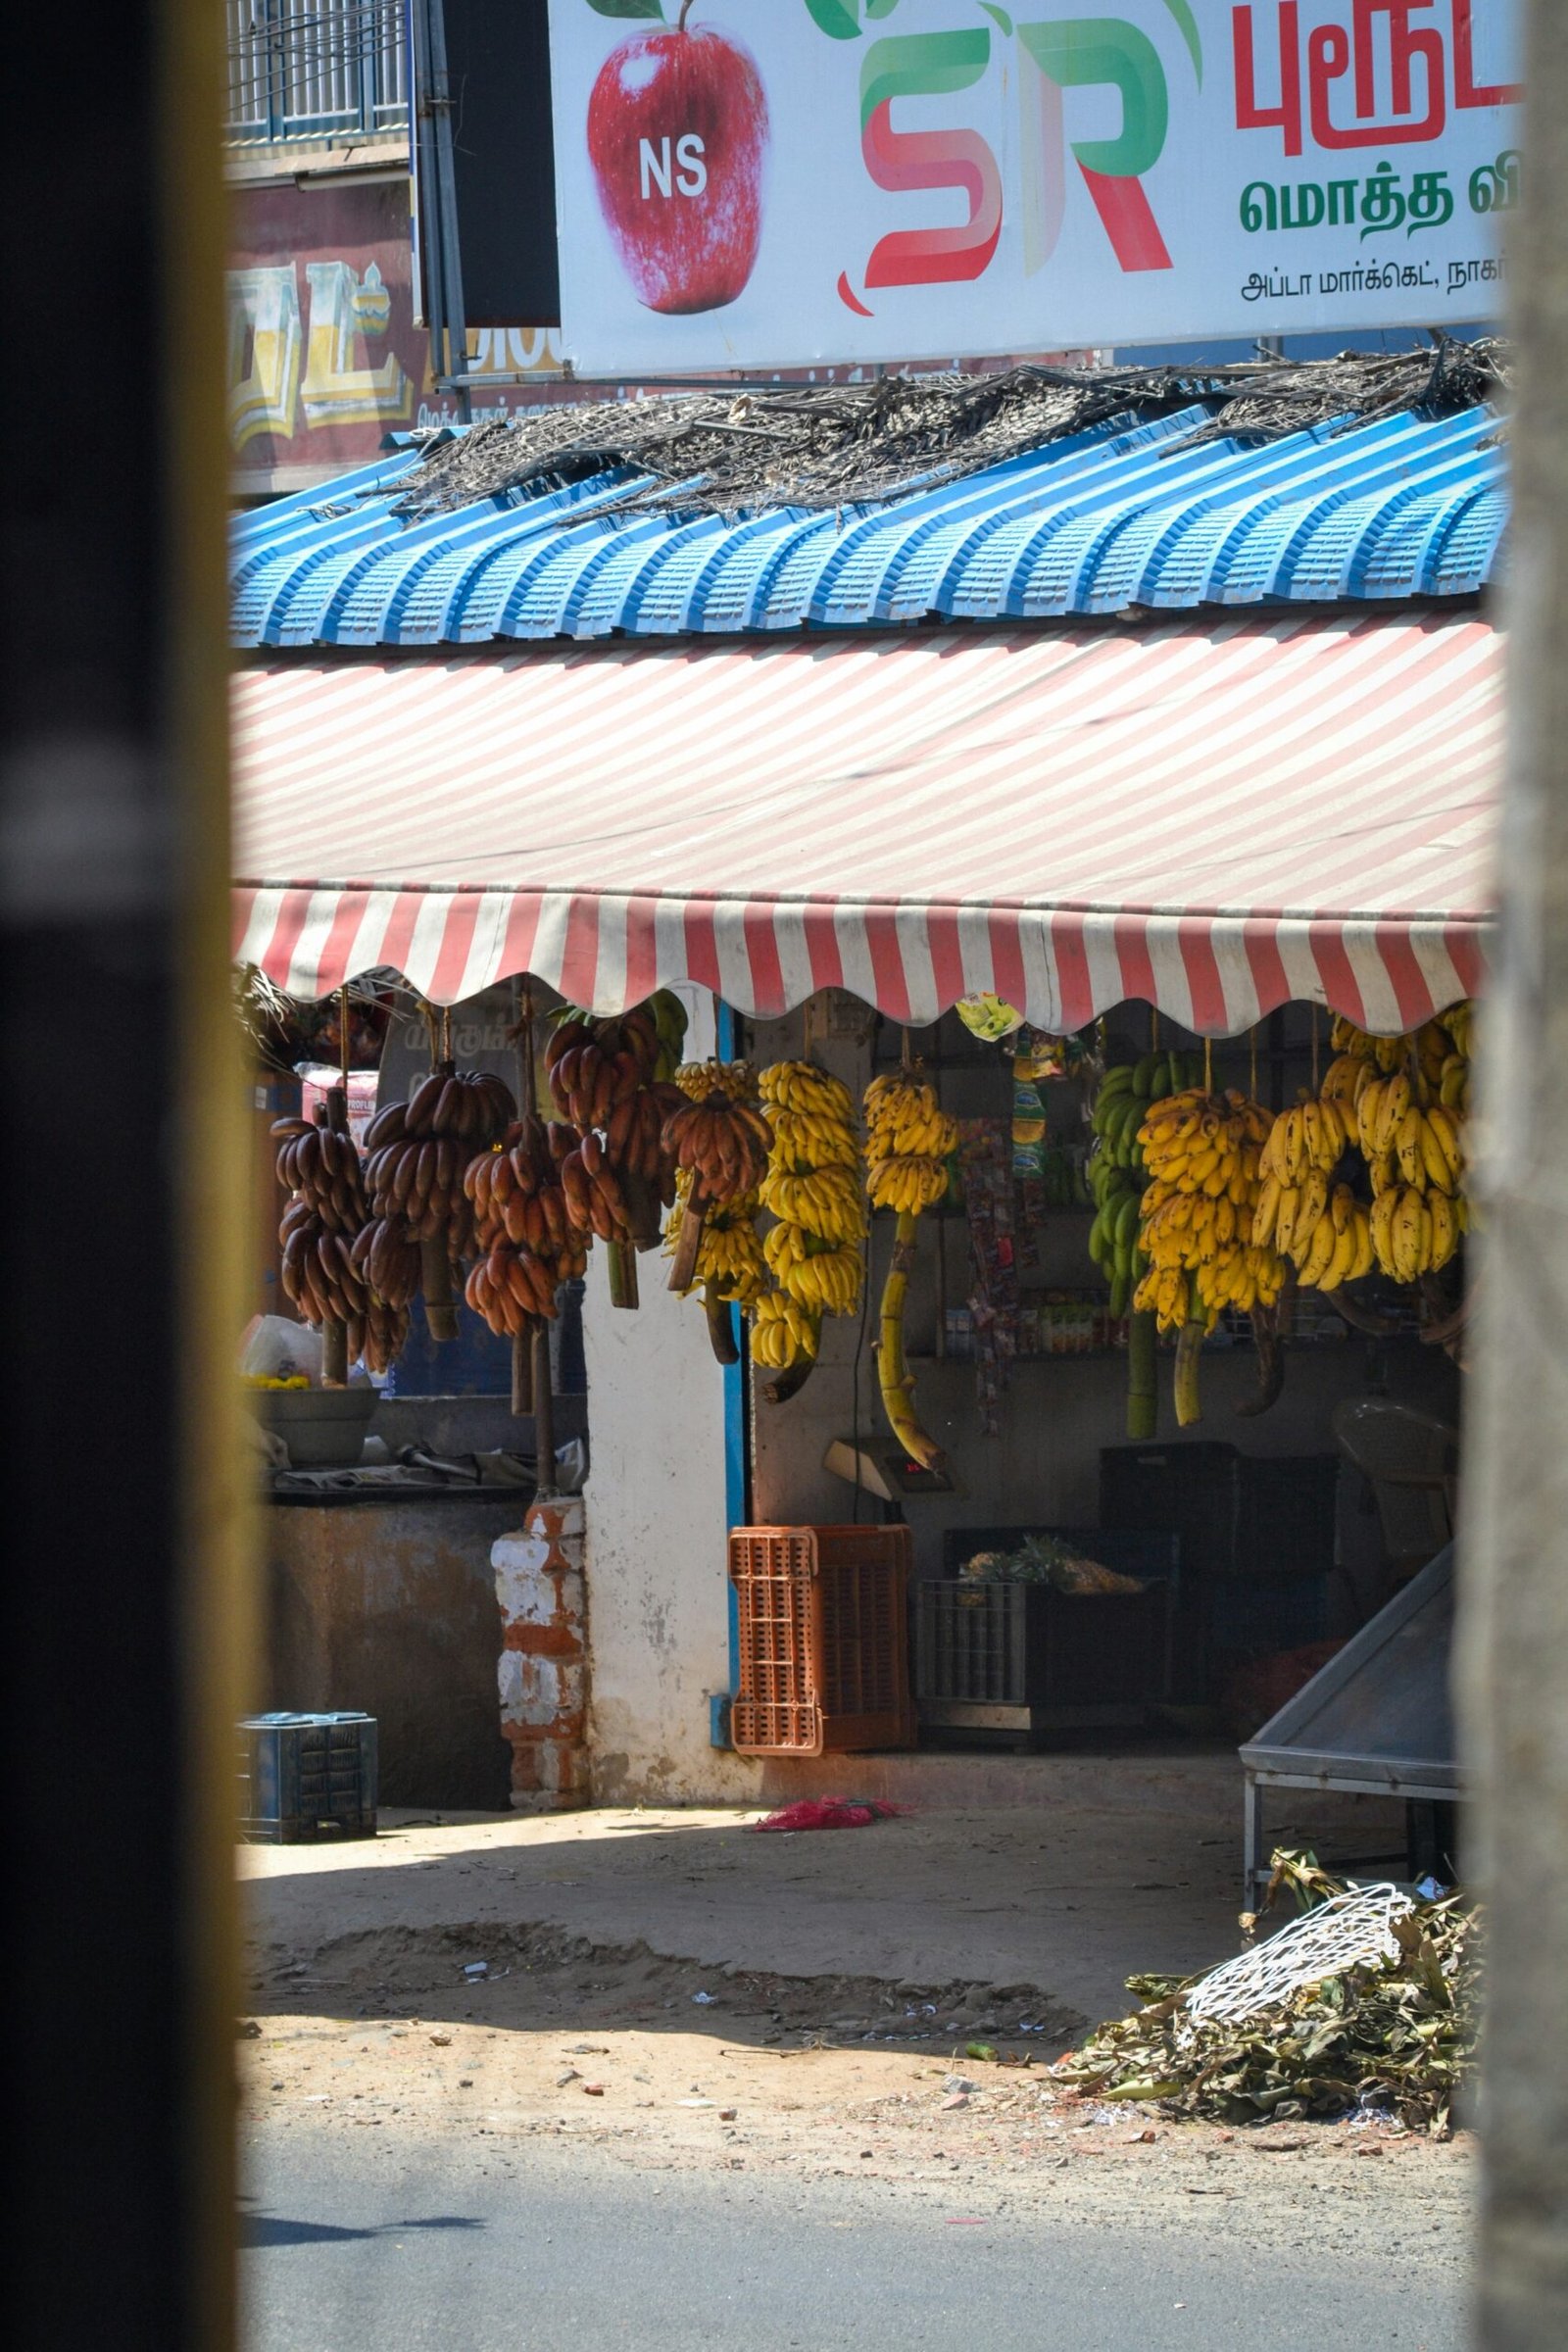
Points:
[766,183]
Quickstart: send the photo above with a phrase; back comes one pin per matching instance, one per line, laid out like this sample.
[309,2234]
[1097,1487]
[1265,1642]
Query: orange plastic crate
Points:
[824,1647]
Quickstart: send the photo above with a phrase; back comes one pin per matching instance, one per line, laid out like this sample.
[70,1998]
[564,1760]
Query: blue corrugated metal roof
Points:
[1136,513]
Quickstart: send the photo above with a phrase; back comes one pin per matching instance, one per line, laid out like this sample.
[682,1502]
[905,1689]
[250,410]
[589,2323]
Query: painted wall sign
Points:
[766,183]
[325,354]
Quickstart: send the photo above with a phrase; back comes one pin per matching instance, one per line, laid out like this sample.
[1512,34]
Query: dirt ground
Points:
[456,1980]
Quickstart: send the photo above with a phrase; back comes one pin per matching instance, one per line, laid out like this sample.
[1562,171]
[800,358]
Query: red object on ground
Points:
[829,1813]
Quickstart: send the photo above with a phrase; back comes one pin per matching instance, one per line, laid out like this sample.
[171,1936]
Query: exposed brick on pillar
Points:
[543,1669]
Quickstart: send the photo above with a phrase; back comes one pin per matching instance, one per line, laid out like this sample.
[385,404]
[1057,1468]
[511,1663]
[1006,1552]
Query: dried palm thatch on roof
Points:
[727,452]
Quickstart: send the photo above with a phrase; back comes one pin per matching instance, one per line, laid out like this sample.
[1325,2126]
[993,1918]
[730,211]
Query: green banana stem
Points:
[1189,1405]
[893,1377]
[1143,1384]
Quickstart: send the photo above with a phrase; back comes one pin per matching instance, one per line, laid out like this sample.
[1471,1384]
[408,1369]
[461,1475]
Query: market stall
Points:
[1087,1123]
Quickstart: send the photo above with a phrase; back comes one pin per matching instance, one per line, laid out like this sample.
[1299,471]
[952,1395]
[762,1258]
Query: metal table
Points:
[1376,1721]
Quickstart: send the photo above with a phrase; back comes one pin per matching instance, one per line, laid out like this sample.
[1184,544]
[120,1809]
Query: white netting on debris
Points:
[1338,1935]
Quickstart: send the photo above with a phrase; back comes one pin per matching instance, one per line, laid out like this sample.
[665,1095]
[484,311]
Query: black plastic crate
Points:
[994,1657]
[1237,1514]
[1254,1616]
[304,1777]
[1287,1516]
[1190,1489]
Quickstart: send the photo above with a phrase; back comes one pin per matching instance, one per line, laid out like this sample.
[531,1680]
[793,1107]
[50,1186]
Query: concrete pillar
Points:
[543,1670]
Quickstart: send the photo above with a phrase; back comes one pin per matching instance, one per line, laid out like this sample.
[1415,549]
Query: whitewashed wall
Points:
[658,1590]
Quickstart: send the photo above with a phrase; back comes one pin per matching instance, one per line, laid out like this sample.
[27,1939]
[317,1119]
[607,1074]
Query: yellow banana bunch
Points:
[1415,1233]
[699,1079]
[1309,1139]
[1385,1054]
[1346,1080]
[729,1255]
[1451,1081]
[808,1092]
[1404,1145]
[1327,1234]
[826,1201]
[783,1333]
[909,1184]
[807,1139]
[823,1280]
[903,1120]
[1203,1153]
[812,1187]
[1459,1021]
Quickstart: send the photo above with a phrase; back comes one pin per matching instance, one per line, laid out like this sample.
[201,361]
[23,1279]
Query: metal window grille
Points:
[316,69]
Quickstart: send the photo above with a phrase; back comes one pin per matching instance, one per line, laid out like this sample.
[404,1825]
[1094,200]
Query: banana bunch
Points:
[329,1284]
[908,1139]
[1416,1159]
[327,1240]
[1403,1144]
[1415,1233]
[1113,1235]
[823,1279]
[783,1332]
[523,1226]
[1323,1230]
[729,1255]
[1310,1140]
[596,1065]
[1451,1084]
[670,1022]
[812,1187]
[416,1153]
[1123,1097]
[1301,1214]
[1203,1153]
[1116,1172]
[698,1080]
[322,1166]
[1385,1053]
[716,1135]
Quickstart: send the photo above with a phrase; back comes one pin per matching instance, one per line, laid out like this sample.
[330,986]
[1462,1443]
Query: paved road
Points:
[357,2243]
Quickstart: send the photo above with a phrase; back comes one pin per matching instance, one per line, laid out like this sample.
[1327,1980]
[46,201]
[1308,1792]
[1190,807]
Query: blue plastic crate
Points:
[303,1776]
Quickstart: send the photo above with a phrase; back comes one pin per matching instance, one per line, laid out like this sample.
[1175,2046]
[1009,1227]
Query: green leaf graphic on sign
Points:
[880,8]
[1182,12]
[835,19]
[628,8]
[997,16]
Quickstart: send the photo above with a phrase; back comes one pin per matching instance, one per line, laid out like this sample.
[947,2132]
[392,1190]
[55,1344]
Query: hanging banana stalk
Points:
[893,1376]
[1189,1348]
[908,1139]
[1143,1381]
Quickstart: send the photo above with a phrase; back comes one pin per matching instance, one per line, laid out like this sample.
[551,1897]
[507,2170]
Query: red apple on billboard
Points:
[677,136]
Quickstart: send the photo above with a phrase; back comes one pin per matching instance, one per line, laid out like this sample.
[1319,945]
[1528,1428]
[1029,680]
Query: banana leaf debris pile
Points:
[1393,2032]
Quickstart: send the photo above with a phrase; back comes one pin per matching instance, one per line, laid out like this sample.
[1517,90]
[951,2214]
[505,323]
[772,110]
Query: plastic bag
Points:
[276,1347]
[830,1813]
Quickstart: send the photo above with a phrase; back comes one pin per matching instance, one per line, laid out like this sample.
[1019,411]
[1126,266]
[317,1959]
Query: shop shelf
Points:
[303,1776]
[823,1628]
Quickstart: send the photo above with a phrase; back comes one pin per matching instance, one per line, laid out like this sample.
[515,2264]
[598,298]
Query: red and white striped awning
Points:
[1210,816]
